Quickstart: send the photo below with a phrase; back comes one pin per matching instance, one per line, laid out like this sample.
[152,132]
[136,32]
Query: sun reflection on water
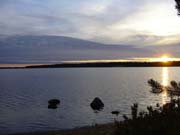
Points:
[165,80]
[165,76]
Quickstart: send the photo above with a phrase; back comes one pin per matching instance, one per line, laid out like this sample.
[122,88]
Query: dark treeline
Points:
[109,64]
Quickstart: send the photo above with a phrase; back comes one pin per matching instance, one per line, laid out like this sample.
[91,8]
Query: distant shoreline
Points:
[93,65]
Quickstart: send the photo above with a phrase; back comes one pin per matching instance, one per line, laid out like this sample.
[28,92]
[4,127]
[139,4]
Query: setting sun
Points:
[165,59]
[162,58]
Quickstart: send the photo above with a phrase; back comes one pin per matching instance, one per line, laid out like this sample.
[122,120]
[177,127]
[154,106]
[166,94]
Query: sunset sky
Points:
[132,22]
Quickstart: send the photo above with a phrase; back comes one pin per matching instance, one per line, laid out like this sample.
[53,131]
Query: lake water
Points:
[24,95]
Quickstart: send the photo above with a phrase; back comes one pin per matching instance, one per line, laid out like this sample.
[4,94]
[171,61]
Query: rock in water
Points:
[97,104]
[53,103]
[115,113]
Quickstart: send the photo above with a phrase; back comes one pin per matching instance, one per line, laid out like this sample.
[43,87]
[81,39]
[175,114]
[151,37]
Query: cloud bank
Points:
[136,22]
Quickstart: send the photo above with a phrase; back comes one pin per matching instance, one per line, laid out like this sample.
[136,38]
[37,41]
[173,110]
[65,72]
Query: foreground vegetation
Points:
[159,120]
[163,120]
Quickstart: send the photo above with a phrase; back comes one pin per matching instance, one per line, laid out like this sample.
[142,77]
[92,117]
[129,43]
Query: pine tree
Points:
[178,6]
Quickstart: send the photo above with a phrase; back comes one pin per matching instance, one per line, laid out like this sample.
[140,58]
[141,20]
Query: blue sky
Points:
[139,22]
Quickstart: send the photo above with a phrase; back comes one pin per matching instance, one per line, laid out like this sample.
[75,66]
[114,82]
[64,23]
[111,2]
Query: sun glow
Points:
[165,59]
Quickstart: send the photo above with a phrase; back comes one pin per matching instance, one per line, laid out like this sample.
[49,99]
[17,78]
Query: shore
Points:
[8,66]
[102,129]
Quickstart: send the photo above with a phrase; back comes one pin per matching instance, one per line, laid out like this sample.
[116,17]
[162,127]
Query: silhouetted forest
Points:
[109,64]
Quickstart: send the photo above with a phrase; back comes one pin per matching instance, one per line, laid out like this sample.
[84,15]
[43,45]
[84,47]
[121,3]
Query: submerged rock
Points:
[53,103]
[50,106]
[97,104]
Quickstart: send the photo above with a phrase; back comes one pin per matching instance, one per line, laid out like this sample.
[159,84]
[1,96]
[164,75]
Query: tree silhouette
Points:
[178,6]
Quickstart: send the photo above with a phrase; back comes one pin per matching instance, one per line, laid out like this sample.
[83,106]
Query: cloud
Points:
[140,22]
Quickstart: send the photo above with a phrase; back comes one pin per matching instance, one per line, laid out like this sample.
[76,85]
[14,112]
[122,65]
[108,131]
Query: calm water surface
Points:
[24,94]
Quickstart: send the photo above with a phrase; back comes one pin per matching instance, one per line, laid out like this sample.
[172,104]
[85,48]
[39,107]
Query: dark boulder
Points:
[97,104]
[115,112]
[53,103]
